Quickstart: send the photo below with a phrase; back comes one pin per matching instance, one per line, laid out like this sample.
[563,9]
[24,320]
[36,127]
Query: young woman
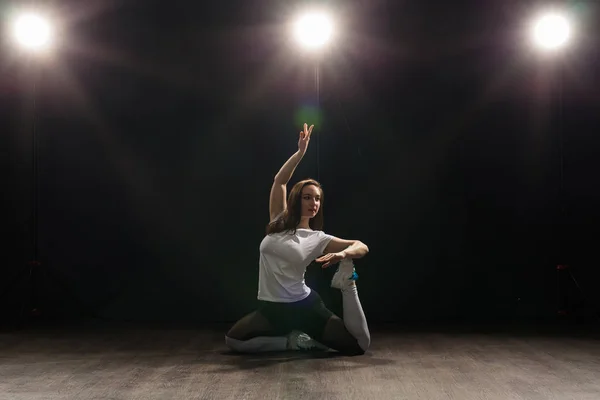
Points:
[292,316]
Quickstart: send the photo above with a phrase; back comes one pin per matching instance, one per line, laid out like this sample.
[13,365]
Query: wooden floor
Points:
[145,364]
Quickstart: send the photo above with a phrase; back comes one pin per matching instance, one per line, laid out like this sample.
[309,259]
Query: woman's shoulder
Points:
[314,232]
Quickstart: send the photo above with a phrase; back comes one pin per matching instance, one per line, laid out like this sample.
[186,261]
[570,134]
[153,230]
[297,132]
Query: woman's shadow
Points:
[230,361]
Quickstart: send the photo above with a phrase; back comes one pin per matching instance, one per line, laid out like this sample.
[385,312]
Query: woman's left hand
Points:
[304,138]
[331,258]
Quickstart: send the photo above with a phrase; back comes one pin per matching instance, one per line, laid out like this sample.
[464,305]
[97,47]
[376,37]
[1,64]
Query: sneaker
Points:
[301,341]
[345,275]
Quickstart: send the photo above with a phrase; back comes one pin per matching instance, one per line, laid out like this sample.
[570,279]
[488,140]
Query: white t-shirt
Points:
[284,258]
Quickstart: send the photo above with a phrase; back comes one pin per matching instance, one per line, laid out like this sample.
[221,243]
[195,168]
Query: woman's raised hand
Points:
[304,138]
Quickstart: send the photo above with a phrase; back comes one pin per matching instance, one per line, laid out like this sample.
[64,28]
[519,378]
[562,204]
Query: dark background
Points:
[161,126]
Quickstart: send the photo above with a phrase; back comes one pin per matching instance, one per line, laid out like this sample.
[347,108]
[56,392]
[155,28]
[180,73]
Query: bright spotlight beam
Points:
[313,30]
[32,32]
[551,31]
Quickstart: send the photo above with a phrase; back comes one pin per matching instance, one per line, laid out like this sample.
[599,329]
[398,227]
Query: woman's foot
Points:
[345,276]
[301,341]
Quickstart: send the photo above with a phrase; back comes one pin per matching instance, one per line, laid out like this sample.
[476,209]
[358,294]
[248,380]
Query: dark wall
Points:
[160,131]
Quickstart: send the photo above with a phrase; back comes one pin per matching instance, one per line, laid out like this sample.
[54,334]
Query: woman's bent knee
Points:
[337,337]
[233,344]
[233,334]
[355,350]
[356,347]
[364,343]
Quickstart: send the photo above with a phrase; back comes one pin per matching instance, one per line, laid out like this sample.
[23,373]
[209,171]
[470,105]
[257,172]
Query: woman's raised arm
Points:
[277,198]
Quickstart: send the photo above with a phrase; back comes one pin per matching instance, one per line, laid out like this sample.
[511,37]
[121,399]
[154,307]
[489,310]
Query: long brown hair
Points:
[289,220]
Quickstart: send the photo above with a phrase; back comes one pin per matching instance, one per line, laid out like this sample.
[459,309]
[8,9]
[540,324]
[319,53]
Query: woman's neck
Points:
[303,225]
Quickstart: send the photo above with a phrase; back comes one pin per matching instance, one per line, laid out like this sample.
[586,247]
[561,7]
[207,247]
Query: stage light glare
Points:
[551,31]
[32,32]
[313,30]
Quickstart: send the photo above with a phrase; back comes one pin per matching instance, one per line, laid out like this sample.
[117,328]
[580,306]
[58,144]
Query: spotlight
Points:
[313,30]
[32,32]
[551,31]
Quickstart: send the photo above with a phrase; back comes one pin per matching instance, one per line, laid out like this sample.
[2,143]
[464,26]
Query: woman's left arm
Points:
[356,250]
[338,249]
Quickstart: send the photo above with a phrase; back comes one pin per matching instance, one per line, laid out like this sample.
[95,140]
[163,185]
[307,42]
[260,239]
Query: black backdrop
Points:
[160,129]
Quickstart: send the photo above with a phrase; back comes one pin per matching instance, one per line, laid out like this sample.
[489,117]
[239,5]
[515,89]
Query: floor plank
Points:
[150,363]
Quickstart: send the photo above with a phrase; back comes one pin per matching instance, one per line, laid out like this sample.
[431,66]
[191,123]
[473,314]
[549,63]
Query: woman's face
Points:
[311,201]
